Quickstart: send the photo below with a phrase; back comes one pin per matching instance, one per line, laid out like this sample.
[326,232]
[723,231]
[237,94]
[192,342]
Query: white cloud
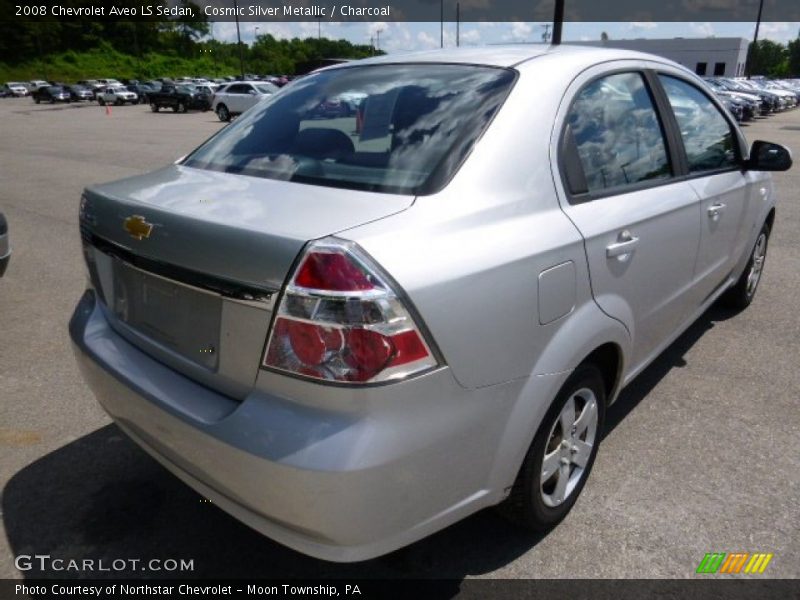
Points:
[374,28]
[520,31]
[779,31]
[471,36]
[426,40]
[702,29]
[642,25]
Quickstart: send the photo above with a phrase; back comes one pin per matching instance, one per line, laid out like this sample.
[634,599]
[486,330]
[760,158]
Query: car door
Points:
[639,220]
[712,150]
[235,97]
[249,98]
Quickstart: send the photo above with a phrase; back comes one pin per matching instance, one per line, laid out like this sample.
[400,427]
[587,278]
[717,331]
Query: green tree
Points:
[767,58]
[793,62]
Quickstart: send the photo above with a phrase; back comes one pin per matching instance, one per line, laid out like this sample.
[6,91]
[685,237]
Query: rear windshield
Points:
[389,128]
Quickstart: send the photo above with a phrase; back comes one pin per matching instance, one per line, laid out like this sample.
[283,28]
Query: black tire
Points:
[119,102]
[154,107]
[101,102]
[223,114]
[525,504]
[135,101]
[37,100]
[182,107]
[175,108]
[741,295]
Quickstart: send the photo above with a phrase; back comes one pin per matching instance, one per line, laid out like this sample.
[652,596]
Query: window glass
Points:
[617,133]
[389,128]
[707,135]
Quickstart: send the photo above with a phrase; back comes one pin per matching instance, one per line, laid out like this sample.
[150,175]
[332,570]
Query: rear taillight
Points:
[340,320]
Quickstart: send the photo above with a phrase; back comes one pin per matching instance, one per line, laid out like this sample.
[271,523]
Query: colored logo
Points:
[735,562]
[137,227]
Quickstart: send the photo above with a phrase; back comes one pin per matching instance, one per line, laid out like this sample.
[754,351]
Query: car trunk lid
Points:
[188,262]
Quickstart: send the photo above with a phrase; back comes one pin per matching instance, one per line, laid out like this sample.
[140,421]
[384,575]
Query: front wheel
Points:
[561,456]
[154,107]
[744,290]
[181,107]
[223,114]
[101,102]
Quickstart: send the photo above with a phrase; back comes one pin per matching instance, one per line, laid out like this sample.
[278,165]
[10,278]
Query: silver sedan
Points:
[406,289]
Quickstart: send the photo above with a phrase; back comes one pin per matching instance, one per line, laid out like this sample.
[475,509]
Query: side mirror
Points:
[766,156]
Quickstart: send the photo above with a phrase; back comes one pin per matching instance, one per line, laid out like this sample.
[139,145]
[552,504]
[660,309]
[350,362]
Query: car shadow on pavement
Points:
[101,497]
[671,358]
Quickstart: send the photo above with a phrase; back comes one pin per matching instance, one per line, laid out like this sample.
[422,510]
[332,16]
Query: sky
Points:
[404,37]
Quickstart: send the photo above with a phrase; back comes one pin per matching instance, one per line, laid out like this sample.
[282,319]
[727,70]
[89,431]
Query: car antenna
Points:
[558,22]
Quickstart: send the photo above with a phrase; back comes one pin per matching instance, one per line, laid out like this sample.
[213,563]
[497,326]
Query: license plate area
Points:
[181,318]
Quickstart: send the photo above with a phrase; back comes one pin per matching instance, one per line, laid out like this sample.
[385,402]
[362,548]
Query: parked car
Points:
[15,88]
[79,93]
[142,90]
[350,335]
[235,98]
[5,246]
[36,84]
[51,94]
[180,98]
[91,84]
[116,94]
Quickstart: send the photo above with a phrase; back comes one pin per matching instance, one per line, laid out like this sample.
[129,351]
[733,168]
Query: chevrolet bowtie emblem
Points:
[137,227]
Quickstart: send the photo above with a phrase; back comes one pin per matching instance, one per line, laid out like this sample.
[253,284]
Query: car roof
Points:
[505,55]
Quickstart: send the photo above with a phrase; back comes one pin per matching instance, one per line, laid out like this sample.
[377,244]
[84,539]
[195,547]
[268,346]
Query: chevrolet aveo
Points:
[352,331]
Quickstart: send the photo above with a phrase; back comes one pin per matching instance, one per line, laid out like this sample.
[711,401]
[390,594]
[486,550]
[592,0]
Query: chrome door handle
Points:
[623,246]
[715,210]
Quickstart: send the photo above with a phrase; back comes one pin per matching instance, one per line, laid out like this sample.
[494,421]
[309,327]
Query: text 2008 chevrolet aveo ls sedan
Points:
[350,332]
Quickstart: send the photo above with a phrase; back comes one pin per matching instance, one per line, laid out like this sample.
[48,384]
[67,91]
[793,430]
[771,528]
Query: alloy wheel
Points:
[569,447]
[757,264]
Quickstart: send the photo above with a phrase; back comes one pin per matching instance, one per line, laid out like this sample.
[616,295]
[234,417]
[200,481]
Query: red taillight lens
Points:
[339,320]
[331,272]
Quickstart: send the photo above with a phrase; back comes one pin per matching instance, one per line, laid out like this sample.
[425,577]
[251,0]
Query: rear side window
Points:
[617,133]
[386,128]
[707,135]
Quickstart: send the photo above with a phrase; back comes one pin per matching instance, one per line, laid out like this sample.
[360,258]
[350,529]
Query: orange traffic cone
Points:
[108,110]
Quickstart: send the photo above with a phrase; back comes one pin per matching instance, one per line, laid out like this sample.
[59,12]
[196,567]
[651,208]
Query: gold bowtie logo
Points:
[137,227]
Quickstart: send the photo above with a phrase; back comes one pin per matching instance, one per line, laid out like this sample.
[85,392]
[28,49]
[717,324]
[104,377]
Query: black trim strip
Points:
[218,285]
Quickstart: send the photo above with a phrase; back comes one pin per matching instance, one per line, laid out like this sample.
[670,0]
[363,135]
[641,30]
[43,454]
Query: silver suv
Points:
[350,328]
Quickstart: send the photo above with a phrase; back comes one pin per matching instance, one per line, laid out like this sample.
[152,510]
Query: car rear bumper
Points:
[376,470]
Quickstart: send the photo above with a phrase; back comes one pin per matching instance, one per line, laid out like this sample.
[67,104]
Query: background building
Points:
[722,57]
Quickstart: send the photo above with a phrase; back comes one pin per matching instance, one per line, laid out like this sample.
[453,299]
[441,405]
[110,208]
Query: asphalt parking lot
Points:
[702,452]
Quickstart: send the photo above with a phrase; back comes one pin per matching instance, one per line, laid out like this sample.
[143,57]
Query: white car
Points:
[17,88]
[116,95]
[35,84]
[238,96]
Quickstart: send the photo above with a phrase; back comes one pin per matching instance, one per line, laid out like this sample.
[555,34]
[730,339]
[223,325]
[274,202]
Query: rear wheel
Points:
[154,107]
[181,107]
[561,456]
[101,102]
[744,290]
[223,113]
